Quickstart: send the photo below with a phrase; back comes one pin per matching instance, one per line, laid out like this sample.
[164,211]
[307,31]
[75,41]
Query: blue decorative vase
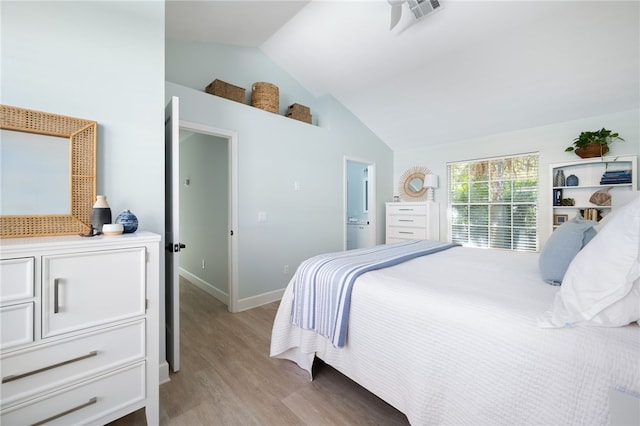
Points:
[572,180]
[128,220]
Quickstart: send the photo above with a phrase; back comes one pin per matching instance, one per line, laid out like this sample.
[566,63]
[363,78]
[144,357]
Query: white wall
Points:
[550,141]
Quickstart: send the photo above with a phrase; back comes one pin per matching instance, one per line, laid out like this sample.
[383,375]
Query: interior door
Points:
[172,232]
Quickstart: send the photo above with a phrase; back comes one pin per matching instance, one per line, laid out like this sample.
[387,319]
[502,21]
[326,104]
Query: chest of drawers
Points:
[79,329]
[412,221]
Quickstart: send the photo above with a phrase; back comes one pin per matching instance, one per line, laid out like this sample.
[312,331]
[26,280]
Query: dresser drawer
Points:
[403,209]
[407,233]
[82,290]
[54,365]
[90,402]
[408,220]
[16,276]
[16,325]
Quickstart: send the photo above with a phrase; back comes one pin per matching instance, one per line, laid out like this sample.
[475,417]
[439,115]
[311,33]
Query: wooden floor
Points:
[228,378]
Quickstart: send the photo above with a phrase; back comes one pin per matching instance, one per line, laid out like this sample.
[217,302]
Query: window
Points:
[493,202]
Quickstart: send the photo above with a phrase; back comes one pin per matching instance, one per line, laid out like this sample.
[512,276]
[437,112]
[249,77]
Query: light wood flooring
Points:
[228,378]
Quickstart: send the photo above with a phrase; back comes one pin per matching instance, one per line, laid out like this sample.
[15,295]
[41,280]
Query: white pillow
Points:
[602,284]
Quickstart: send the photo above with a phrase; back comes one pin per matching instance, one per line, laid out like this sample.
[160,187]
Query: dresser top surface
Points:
[66,241]
[406,203]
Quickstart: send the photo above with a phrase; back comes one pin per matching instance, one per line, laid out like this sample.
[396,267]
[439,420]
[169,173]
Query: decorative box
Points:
[226,90]
[299,112]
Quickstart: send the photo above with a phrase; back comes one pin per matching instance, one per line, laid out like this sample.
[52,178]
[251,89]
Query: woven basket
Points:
[265,96]
[299,112]
[226,90]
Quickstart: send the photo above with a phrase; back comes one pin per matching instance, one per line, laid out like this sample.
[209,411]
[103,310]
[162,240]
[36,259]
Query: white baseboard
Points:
[243,304]
[164,372]
[205,286]
[259,300]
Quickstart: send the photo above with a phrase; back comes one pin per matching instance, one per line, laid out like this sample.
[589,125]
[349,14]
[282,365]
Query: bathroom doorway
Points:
[360,204]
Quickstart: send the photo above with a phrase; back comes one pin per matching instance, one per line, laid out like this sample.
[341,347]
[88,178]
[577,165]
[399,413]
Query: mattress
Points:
[452,338]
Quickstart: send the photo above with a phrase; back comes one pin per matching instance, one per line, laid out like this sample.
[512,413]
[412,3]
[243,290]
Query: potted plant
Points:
[593,144]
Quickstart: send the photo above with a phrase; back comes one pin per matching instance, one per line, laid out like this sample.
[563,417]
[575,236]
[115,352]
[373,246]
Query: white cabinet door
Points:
[81,290]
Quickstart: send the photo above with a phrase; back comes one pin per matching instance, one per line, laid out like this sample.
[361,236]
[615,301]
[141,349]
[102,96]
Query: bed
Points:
[474,336]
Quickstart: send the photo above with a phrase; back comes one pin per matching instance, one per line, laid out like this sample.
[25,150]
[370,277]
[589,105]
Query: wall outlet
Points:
[285,270]
[262,216]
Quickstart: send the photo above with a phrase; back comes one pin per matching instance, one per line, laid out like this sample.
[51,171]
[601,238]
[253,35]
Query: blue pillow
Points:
[562,246]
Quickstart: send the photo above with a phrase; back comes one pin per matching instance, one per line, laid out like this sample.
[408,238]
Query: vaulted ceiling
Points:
[473,68]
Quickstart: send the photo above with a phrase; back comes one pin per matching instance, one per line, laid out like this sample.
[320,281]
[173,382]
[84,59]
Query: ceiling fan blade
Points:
[396,13]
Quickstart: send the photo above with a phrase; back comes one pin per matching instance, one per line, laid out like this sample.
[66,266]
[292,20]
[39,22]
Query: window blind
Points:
[493,202]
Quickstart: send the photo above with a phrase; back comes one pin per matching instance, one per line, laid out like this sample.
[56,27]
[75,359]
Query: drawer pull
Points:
[56,284]
[69,411]
[406,232]
[49,367]
[405,220]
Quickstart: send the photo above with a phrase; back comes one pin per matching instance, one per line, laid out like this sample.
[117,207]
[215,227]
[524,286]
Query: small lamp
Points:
[431,183]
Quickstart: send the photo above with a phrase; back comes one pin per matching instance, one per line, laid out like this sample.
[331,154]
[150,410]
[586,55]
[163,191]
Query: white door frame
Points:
[232,138]
[373,207]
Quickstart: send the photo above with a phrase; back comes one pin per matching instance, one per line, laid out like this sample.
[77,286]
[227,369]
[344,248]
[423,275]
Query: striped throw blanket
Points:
[322,284]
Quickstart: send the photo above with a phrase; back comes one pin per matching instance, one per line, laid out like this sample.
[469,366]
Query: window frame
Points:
[521,207]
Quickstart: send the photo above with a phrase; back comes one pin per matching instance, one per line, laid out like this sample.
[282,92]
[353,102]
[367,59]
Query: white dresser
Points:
[412,221]
[79,322]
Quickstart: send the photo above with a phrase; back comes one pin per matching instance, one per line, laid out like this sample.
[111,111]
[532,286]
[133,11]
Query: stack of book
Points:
[616,176]
[591,214]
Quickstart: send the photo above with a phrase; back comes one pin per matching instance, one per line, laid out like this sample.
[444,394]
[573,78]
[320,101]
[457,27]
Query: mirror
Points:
[415,184]
[24,156]
[48,173]
[410,185]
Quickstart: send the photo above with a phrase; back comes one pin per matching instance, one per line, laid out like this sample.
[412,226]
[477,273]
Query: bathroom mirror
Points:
[410,185]
[48,173]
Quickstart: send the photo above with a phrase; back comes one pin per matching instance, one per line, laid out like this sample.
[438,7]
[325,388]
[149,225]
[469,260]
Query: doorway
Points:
[174,181]
[359,204]
[203,206]
[213,157]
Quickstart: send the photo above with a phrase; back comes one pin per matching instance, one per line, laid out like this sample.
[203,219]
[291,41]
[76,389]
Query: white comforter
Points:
[451,338]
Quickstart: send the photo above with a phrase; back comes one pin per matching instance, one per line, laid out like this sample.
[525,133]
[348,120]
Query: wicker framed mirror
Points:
[411,184]
[82,136]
